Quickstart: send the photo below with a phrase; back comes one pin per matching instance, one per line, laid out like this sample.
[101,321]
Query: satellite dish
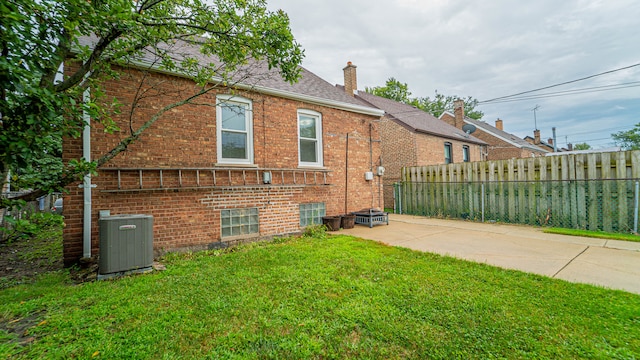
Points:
[468,128]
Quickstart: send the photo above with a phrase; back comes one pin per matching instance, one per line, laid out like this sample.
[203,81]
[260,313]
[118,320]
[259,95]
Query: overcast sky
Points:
[487,49]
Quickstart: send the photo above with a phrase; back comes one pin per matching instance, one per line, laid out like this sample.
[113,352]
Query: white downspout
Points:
[86,153]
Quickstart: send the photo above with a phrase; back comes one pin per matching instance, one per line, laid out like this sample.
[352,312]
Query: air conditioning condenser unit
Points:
[126,244]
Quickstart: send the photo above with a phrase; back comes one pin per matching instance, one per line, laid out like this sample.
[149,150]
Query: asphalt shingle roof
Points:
[417,120]
[257,75]
[516,141]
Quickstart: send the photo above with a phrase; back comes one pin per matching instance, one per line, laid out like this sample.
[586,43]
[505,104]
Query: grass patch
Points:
[593,234]
[338,297]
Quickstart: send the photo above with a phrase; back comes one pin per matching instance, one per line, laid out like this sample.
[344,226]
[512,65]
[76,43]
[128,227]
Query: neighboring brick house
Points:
[502,145]
[265,158]
[412,137]
[546,145]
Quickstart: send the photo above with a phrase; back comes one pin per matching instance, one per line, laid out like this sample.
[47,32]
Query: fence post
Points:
[400,193]
[635,210]
[395,197]
[482,202]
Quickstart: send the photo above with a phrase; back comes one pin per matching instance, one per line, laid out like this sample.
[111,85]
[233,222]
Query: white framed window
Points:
[237,222]
[311,214]
[309,138]
[234,128]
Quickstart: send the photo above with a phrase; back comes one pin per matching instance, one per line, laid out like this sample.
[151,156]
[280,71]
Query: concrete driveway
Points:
[609,263]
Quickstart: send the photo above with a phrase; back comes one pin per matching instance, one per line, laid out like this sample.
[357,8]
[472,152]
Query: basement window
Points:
[311,214]
[238,222]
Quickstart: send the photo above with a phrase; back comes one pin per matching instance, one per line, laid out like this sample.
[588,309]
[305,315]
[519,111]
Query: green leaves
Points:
[395,90]
[628,140]
[582,146]
[39,107]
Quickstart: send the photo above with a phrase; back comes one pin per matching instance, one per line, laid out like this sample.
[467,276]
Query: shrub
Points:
[315,231]
[28,225]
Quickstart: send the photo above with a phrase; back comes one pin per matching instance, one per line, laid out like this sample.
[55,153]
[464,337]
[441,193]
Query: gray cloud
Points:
[484,49]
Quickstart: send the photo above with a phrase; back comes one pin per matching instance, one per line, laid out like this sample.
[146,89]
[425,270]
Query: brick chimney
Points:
[350,79]
[550,141]
[536,137]
[499,125]
[570,146]
[458,111]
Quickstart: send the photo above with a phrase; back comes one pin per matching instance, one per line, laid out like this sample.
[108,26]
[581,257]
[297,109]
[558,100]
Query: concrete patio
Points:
[610,263]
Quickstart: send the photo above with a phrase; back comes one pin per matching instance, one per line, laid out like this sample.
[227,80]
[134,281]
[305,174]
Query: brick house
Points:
[412,137]
[261,159]
[501,144]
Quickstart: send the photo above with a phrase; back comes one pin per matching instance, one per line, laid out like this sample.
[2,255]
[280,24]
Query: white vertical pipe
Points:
[86,153]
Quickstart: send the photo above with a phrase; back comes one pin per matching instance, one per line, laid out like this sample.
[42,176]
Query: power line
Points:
[566,93]
[601,130]
[560,84]
[599,139]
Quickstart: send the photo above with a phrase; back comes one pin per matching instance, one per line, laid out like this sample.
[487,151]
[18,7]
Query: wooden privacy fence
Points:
[596,191]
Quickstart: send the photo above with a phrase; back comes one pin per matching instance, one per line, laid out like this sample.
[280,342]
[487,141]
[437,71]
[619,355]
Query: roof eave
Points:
[141,64]
[315,100]
[459,138]
[505,139]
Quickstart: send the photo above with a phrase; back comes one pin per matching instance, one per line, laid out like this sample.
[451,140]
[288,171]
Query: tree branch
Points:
[62,51]
[100,47]
[124,143]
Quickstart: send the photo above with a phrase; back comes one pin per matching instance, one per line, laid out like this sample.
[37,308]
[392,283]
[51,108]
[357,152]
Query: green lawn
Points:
[337,297]
[593,234]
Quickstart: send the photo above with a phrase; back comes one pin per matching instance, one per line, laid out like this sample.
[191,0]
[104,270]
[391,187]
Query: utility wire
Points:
[571,92]
[620,128]
[560,84]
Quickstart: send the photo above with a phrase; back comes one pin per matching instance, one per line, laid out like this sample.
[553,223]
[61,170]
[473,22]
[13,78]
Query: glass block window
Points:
[236,222]
[311,214]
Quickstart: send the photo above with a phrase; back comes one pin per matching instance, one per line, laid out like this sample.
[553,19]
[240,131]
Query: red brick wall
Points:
[402,147]
[431,150]
[498,149]
[398,148]
[185,137]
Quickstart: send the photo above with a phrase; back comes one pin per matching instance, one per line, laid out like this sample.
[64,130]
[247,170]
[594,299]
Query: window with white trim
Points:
[311,214]
[234,124]
[310,138]
[237,222]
